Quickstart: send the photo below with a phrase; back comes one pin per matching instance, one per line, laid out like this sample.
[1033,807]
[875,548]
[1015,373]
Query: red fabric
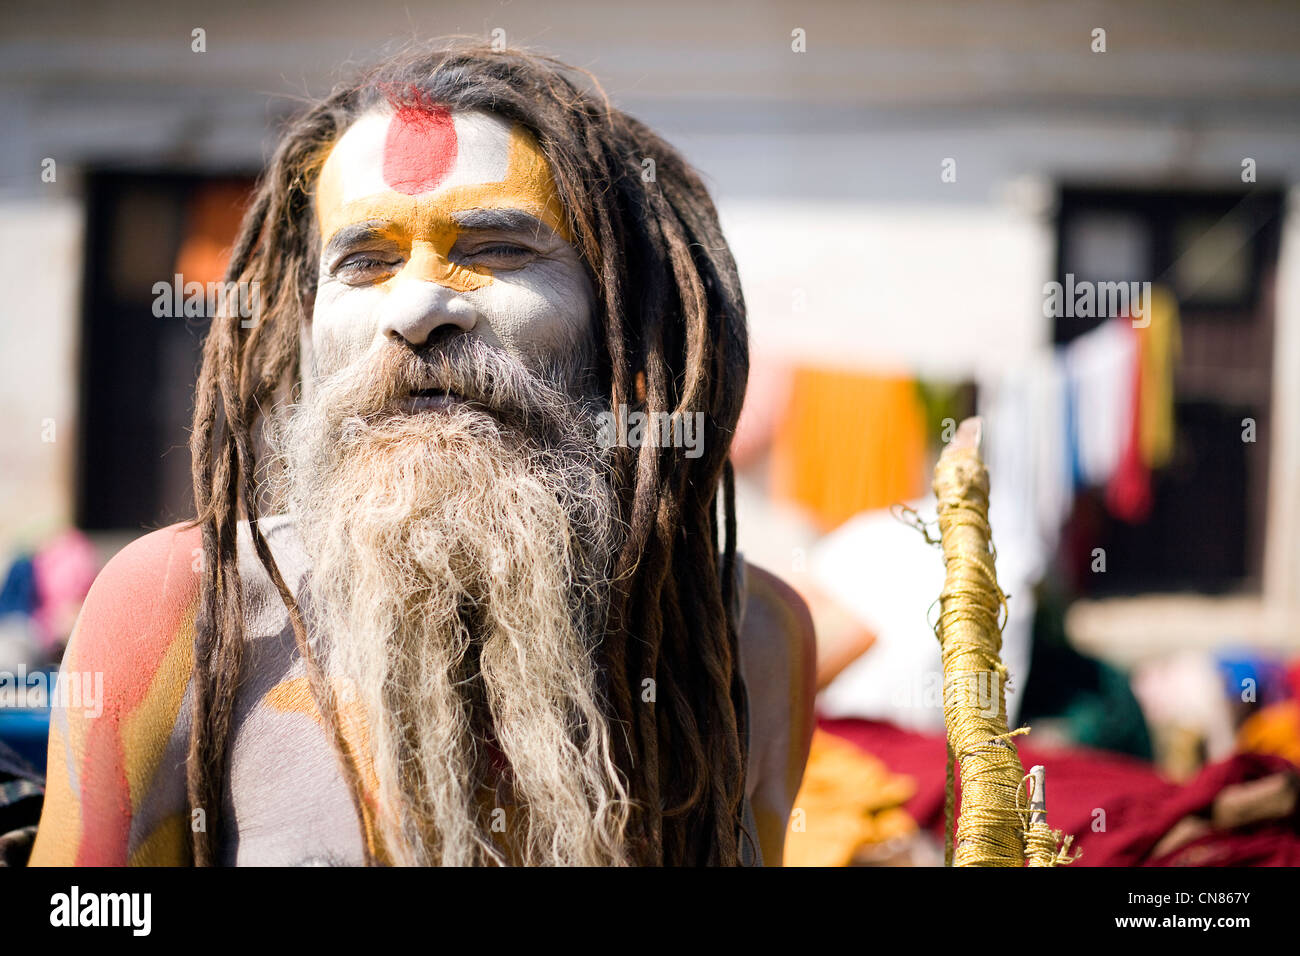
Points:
[1128,495]
[1274,843]
[1293,678]
[1137,805]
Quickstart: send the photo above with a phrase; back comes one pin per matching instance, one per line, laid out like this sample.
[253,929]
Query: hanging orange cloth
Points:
[849,443]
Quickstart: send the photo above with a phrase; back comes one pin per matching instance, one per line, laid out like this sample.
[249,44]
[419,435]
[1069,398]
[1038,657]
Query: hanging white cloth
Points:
[1026,448]
[1099,366]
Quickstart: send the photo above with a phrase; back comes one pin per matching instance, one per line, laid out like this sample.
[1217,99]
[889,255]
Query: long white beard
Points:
[459,575]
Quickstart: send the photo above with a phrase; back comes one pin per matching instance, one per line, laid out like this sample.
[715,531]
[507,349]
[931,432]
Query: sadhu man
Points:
[429,613]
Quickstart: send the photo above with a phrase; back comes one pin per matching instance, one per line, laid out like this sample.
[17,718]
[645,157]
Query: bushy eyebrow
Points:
[359,232]
[501,220]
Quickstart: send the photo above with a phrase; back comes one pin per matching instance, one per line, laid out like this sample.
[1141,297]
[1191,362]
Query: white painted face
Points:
[431,219]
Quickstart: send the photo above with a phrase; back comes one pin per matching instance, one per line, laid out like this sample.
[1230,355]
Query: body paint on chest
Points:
[293,696]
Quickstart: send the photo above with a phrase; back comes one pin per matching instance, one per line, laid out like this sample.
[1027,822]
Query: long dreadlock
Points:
[672,339]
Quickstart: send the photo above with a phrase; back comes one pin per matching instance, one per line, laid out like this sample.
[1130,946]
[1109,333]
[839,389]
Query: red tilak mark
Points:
[420,149]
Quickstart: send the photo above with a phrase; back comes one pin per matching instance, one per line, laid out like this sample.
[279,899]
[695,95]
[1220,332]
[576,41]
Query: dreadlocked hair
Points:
[671,339]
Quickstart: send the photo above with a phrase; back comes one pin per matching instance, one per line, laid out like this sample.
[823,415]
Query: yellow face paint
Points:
[410,173]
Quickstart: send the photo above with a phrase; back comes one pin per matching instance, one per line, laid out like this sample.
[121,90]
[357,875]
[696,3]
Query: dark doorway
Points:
[138,368]
[1217,252]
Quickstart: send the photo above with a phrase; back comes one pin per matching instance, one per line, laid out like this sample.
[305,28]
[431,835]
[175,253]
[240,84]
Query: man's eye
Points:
[362,263]
[501,254]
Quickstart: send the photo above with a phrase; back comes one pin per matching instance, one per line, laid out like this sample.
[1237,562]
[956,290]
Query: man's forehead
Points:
[416,151]
[433,154]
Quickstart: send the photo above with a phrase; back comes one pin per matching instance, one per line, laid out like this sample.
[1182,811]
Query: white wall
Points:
[40,270]
[922,289]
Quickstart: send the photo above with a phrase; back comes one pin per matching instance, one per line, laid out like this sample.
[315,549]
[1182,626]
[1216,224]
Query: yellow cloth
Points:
[849,443]
[1273,730]
[1159,345]
[848,799]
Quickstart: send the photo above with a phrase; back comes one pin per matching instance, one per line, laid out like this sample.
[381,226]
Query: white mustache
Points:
[472,372]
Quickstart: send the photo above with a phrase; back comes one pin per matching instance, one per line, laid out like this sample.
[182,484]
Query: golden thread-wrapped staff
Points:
[993,828]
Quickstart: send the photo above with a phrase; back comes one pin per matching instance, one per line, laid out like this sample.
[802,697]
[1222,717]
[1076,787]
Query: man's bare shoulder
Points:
[133,644]
[778,654]
[778,636]
[142,598]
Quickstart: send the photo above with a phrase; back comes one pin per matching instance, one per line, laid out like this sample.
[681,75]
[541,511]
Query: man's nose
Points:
[416,308]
